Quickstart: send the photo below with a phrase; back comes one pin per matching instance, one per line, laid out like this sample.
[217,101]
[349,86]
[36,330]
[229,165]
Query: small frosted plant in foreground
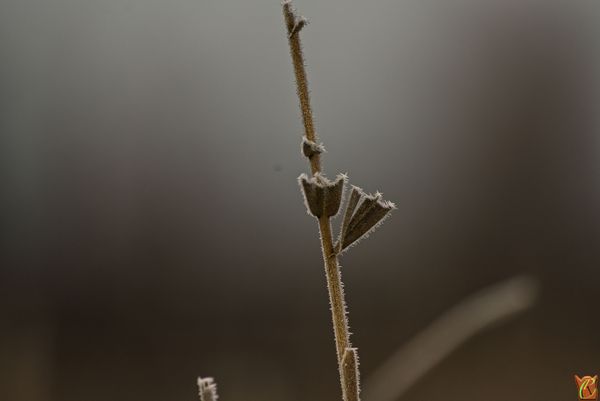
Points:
[207,389]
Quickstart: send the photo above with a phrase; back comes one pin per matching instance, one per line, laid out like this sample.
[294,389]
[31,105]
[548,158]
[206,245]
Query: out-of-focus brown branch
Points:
[456,326]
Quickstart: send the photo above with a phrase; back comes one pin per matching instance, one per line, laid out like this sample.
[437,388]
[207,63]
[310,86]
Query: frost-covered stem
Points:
[301,81]
[350,378]
[336,292]
[332,270]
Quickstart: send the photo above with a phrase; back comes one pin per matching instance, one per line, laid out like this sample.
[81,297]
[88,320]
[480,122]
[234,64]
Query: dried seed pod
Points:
[361,218]
[367,203]
[322,196]
[207,389]
[355,196]
[310,148]
[313,195]
[333,195]
[372,217]
[364,204]
[350,378]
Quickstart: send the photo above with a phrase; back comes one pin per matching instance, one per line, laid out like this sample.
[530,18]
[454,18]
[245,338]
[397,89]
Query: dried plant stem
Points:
[336,292]
[301,81]
[350,365]
[330,259]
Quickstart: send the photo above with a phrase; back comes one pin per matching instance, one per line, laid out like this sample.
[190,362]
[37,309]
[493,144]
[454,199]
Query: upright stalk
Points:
[330,258]
[336,291]
[301,81]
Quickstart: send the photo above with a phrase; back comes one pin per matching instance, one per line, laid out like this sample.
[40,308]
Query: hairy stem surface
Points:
[336,291]
[301,82]
[332,270]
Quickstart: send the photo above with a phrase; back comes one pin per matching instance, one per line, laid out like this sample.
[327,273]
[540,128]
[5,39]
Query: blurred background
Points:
[153,230]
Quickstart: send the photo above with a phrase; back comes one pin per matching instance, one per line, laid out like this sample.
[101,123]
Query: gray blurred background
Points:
[152,227]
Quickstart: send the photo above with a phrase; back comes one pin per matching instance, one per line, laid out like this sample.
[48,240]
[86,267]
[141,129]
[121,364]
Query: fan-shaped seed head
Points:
[207,389]
[355,196]
[368,202]
[362,217]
